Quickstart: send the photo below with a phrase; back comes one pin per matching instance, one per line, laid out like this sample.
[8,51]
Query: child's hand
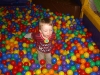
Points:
[28,35]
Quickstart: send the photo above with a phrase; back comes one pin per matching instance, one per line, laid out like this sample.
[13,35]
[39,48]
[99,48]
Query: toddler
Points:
[44,39]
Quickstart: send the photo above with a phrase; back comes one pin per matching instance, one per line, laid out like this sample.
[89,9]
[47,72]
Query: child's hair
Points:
[45,21]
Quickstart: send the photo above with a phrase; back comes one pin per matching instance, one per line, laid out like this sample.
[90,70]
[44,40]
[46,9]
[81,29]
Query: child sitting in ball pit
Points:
[44,39]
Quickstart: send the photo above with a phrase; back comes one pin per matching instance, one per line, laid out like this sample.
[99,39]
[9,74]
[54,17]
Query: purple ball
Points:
[92,56]
[63,57]
[64,63]
[48,66]
[98,73]
[64,69]
[33,66]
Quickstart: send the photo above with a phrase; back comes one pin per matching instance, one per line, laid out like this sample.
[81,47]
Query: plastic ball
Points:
[51,71]
[73,58]
[10,67]
[28,73]
[19,73]
[95,69]
[48,66]
[55,67]
[38,71]
[70,72]
[25,60]
[42,62]
[88,70]
[61,73]
[54,60]
[44,71]
[63,57]
[86,55]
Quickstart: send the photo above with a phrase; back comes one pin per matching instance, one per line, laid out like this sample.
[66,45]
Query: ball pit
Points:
[74,53]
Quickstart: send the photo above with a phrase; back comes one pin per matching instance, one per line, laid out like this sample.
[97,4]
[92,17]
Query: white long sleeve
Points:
[28,35]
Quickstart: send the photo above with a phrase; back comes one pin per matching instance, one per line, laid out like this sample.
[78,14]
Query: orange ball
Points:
[81,52]
[59,62]
[33,50]
[51,71]
[78,44]
[7,42]
[78,55]
[47,74]
[61,51]
[95,69]
[83,61]
[85,29]
[85,49]
[82,66]
[79,47]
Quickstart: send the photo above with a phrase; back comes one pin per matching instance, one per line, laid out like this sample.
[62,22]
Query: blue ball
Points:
[93,73]
[54,60]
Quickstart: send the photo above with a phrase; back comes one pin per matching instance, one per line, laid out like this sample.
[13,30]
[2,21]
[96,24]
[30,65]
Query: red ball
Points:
[0,54]
[26,64]
[20,64]
[42,61]
[87,64]
[20,69]
[4,62]
[13,62]
[55,67]
[32,61]
[7,73]
[21,53]
[14,72]
[15,67]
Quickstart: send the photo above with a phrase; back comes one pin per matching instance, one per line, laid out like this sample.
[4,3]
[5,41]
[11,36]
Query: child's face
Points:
[46,30]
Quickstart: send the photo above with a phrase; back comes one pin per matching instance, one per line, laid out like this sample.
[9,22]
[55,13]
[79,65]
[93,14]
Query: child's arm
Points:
[28,35]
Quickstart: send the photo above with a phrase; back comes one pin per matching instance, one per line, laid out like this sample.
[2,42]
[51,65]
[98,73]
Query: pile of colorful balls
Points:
[74,53]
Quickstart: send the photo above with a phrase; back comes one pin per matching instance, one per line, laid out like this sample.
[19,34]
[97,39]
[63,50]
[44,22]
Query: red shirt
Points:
[40,42]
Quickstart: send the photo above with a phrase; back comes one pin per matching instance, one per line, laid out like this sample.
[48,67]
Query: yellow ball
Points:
[88,70]
[15,42]
[73,58]
[7,47]
[91,48]
[10,67]
[61,73]
[70,72]
[24,44]
[25,60]
[83,40]
[38,71]
[16,51]
[28,73]
[44,71]
[67,60]
[86,55]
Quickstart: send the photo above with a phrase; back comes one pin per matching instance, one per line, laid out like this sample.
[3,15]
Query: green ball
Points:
[3,49]
[20,36]
[71,53]
[65,45]
[98,63]
[28,50]
[35,55]
[73,68]
[90,60]
[92,64]
[31,45]
[3,42]
[82,56]
[23,34]
[26,68]
[69,31]
[19,73]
